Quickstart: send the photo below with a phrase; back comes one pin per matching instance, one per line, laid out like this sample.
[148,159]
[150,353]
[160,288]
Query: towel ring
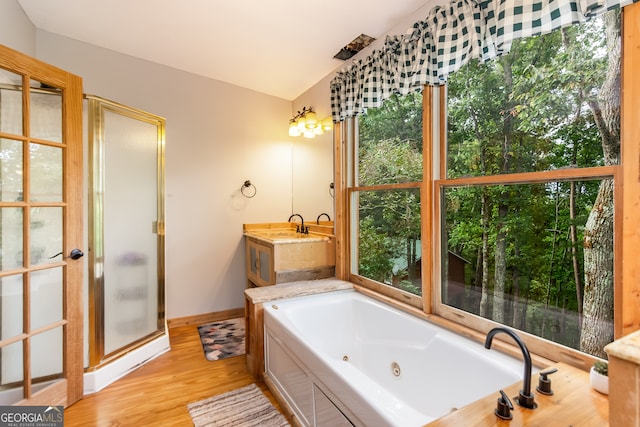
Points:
[246,189]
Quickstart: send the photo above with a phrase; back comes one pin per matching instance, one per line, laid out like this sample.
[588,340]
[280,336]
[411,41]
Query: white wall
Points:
[16,30]
[217,136]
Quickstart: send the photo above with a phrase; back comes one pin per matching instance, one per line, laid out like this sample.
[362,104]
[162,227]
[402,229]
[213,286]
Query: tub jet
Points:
[395,369]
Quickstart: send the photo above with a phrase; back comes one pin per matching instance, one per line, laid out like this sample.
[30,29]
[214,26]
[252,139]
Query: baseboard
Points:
[205,318]
[95,381]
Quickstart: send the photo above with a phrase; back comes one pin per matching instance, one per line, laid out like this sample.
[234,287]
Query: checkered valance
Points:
[447,39]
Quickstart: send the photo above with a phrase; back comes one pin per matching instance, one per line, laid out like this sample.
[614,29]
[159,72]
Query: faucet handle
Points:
[504,407]
[544,383]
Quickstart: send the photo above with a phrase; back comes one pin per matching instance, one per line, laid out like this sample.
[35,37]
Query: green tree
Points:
[390,152]
[536,108]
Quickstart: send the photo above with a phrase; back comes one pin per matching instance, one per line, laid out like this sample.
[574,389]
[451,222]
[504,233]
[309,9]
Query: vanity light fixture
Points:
[305,123]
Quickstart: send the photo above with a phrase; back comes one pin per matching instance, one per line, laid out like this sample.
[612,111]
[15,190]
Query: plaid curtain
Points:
[448,38]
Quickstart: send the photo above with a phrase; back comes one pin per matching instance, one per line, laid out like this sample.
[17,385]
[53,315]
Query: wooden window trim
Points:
[627,294]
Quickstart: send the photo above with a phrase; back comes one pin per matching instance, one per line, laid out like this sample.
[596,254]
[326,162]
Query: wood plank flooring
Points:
[157,393]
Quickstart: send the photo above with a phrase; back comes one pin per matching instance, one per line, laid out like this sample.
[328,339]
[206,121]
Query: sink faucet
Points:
[300,228]
[525,398]
[322,214]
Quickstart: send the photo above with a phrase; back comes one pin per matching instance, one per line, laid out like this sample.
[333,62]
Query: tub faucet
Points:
[322,214]
[525,398]
[300,228]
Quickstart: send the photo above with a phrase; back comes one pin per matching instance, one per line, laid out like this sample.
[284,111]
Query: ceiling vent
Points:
[354,47]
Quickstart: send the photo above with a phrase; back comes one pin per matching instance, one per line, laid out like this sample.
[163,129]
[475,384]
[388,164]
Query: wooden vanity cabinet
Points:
[269,262]
[259,257]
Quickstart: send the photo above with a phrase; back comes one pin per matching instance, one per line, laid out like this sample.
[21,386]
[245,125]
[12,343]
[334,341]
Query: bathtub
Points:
[342,357]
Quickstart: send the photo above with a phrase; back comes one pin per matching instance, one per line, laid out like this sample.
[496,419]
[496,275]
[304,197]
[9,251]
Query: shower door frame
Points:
[97,106]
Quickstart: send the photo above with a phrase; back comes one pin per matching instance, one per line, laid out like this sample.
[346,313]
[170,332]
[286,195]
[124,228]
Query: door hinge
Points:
[157,227]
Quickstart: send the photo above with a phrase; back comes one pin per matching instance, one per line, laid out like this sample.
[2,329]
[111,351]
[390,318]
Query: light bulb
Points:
[302,124]
[311,120]
[293,128]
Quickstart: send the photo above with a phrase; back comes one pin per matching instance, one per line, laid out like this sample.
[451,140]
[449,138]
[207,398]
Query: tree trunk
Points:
[574,253]
[477,284]
[500,266]
[484,299]
[503,208]
[525,306]
[515,321]
[597,326]
[550,280]
[574,248]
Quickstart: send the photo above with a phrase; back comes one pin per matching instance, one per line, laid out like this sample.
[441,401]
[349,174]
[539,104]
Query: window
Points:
[386,242]
[526,179]
[527,203]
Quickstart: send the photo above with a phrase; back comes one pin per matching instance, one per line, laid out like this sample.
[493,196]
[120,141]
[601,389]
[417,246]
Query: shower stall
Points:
[126,229]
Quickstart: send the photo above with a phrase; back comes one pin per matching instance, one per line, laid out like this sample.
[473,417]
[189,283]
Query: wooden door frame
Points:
[70,389]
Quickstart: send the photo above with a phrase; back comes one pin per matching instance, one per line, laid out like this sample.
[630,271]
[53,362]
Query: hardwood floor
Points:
[157,393]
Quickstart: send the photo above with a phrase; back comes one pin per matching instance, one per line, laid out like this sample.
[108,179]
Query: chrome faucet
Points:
[300,228]
[525,398]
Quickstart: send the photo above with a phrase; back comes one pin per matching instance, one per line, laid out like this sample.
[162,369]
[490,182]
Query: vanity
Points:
[278,253]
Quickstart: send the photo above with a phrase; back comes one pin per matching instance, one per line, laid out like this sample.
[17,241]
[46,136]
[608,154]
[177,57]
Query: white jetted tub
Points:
[342,357]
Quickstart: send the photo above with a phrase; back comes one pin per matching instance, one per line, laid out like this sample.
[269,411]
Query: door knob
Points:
[76,254]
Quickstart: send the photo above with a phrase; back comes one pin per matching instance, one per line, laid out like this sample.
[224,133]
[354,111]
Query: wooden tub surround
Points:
[624,380]
[573,403]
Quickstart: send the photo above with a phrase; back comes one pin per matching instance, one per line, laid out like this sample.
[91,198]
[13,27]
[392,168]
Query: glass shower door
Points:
[127,152]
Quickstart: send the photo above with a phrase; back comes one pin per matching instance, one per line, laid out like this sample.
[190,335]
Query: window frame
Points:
[540,346]
[626,200]
[352,190]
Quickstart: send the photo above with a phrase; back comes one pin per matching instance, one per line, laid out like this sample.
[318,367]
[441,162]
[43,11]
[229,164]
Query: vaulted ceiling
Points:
[278,47]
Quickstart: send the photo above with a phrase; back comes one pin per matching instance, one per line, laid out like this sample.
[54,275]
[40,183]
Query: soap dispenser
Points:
[544,383]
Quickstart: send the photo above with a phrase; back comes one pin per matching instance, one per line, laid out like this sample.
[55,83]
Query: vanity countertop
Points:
[285,236]
[285,233]
[574,403]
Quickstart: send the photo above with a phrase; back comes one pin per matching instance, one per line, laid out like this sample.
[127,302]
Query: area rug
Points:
[244,407]
[222,339]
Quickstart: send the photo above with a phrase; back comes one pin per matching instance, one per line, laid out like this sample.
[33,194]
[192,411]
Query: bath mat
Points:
[244,407]
[222,339]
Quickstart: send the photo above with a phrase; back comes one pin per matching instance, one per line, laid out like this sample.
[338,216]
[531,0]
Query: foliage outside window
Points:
[385,198]
[527,203]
